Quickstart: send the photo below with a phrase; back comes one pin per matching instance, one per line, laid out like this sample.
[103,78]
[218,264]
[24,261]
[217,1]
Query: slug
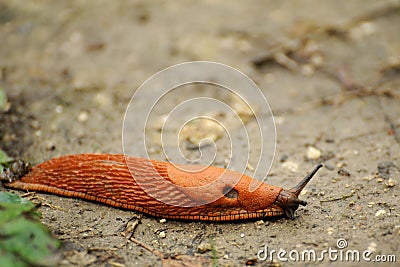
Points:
[117,180]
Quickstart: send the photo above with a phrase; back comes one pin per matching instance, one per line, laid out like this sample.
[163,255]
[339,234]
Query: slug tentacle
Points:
[300,186]
[288,199]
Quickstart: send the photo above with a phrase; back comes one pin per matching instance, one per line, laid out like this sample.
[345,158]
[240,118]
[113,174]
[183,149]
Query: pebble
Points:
[279,120]
[362,30]
[384,168]
[290,165]
[250,167]
[260,222]
[330,230]
[204,247]
[162,234]
[307,70]
[343,172]
[317,60]
[59,109]
[397,229]
[340,164]
[163,221]
[35,124]
[330,140]
[390,183]
[380,213]
[103,99]
[313,152]
[329,167]
[283,158]
[83,116]
[50,146]
[372,246]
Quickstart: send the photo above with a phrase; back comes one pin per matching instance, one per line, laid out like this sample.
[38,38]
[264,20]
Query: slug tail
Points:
[14,170]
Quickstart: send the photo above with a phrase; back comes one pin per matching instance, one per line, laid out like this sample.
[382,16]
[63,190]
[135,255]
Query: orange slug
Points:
[117,180]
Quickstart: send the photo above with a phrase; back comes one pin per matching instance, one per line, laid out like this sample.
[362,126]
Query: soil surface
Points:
[329,69]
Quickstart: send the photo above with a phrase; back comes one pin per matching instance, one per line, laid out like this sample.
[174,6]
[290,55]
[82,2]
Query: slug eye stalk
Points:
[288,199]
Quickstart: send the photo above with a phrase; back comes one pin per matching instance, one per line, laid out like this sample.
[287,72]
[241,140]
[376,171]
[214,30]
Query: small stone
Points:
[250,167]
[103,99]
[204,247]
[59,109]
[330,140]
[279,120]
[358,208]
[290,165]
[380,213]
[162,234]
[343,172]
[362,30]
[226,257]
[390,183]
[330,231]
[340,164]
[241,235]
[397,229]
[283,158]
[83,116]
[307,70]
[163,221]
[251,262]
[50,146]
[260,222]
[35,124]
[313,152]
[372,246]
[384,168]
[329,167]
[317,60]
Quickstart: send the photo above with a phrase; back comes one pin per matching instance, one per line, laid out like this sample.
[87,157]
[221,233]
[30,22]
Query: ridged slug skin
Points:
[157,188]
[106,178]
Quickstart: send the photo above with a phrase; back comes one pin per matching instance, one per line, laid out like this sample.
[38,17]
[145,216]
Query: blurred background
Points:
[329,69]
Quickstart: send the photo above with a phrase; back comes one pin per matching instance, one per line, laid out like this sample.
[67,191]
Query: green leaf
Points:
[12,206]
[7,197]
[24,241]
[4,158]
[3,100]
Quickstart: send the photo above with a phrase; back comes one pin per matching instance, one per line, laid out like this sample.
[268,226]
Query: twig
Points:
[150,249]
[131,226]
[337,198]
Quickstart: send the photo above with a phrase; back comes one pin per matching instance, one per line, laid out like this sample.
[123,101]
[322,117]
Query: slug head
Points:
[266,201]
[288,199]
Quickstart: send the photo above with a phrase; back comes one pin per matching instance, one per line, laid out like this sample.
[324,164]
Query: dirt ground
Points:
[329,69]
